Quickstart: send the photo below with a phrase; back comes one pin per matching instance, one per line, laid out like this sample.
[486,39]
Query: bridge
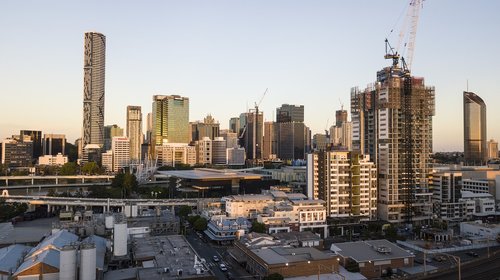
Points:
[125,205]
[54,180]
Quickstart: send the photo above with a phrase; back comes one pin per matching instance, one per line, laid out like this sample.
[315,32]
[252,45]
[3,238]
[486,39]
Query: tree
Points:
[9,211]
[258,227]
[90,168]
[274,276]
[69,168]
[193,219]
[184,211]
[200,224]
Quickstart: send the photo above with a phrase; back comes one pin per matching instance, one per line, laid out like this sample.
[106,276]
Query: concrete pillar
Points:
[57,180]
[32,181]
[49,209]
[67,207]
[6,182]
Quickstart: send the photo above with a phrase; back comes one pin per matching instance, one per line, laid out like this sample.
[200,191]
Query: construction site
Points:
[392,122]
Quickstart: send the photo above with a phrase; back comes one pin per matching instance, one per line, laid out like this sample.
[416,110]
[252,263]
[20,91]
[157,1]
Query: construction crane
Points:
[408,31]
[407,37]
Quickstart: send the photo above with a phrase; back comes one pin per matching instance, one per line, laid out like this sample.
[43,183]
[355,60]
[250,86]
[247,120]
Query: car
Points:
[439,258]
[216,259]
[472,254]
[223,267]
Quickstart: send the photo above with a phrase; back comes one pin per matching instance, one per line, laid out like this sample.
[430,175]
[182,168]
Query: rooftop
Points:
[283,255]
[209,174]
[297,235]
[9,257]
[372,250]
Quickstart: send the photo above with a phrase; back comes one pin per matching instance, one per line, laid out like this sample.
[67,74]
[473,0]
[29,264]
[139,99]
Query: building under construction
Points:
[392,122]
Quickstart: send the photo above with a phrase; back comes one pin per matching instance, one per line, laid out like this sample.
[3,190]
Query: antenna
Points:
[467,85]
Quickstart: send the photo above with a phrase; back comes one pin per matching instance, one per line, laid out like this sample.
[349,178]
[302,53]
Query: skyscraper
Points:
[290,132]
[170,119]
[475,149]
[54,144]
[392,122]
[492,149]
[111,131]
[34,136]
[94,63]
[134,131]
[208,128]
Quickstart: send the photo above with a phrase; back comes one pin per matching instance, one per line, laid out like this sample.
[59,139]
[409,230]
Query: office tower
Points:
[290,132]
[392,122]
[492,149]
[251,134]
[170,119]
[475,152]
[231,138]
[17,153]
[269,145]
[34,136]
[219,151]
[446,194]
[208,128]
[111,131]
[120,147]
[290,113]
[347,181]
[234,125]
[134,131]
[149,128]
[341,132]
[204,151]
[54,144]
[235,156]
[320,142]
[94,65]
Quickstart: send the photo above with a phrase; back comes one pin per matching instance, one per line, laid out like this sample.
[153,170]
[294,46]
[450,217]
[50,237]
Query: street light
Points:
[457,259]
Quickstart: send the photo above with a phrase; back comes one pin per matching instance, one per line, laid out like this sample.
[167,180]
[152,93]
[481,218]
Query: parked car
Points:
[216,259]
[223,267]
[472,254]
[439,258]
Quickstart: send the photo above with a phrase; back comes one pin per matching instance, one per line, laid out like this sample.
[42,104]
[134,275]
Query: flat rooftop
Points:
[209,174]
[283,255]
[372,250]
[171,255]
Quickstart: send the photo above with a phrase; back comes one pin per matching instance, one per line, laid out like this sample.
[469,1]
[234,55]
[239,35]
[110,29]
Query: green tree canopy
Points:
[90,168]
[200,224]
[184,211]
[274,276]
[69,168]
[258,227]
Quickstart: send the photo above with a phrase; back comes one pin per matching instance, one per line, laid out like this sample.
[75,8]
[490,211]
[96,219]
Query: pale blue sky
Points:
[224,54]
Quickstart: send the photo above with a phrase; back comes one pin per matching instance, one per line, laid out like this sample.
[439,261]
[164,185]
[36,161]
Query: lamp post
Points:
[457,259]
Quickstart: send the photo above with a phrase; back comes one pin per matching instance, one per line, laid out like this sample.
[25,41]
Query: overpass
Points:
[125,205]
[41,180]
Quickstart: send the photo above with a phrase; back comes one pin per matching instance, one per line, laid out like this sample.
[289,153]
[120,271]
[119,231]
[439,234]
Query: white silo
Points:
[109,221]
[67,261]
[87,261]
[120,239]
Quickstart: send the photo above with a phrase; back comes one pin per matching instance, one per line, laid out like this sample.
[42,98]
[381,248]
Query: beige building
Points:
[235,156]
[204,151]
[347,181]
[134,131]
[492,149]
[120,146]
[174,153]
[58,159]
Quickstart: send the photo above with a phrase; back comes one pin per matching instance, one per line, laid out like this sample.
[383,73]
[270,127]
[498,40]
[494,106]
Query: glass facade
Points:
[475,147]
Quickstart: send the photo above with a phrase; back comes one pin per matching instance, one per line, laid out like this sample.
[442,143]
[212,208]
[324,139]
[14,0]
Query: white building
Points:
[58,159]
[347,181]
[107,160]
[479,230]
[235,156]
[120,146]
[175,153]
[478,204]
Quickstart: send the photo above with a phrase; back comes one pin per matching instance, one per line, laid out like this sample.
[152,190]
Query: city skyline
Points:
[303,53]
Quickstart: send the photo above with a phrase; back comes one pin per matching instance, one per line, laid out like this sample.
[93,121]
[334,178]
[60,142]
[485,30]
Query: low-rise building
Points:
[171,154]
[224,230]
[10,257]
[478,229]
[58,159]
[235,156]
[300,239]
[375,258]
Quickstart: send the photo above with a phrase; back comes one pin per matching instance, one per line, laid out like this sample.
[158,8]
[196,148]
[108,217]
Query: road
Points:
[484,269]
[208,250]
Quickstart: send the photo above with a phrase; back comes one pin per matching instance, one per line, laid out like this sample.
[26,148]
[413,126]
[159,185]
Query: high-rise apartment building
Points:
[204,151]
[341,132]
[170,119]
[269,141]
[54,144]
[475,149]
[208,128]
[94,65]
[347,181]
[392,122]
[34,136]
[134,131]
[492,149]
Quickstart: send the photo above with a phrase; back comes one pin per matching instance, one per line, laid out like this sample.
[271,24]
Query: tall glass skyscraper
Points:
[170,119]
[94,63]
[475,148]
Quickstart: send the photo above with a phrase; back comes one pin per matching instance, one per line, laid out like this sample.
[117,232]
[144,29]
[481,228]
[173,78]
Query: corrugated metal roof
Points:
[48,257]
[56,240]
[10,256]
